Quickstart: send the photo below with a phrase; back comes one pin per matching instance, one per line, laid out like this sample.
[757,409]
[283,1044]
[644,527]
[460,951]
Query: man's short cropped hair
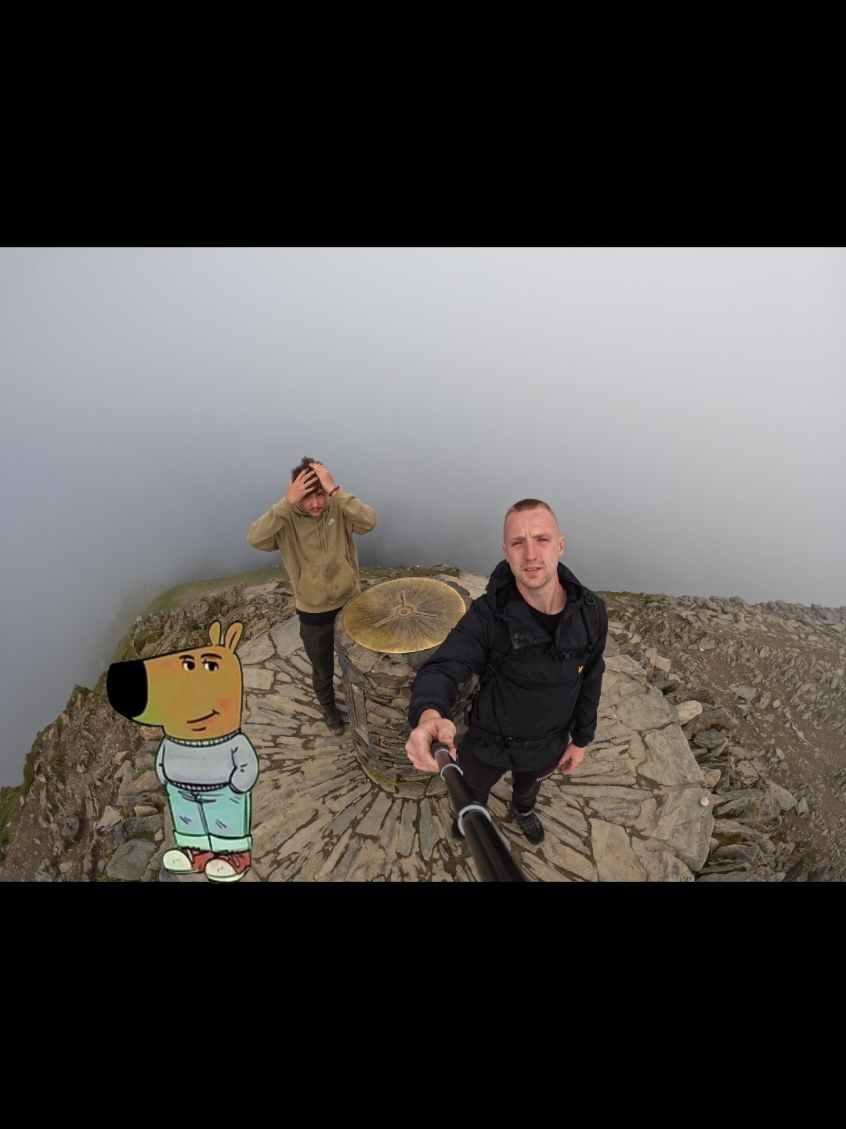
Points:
[529,504]
[304,464]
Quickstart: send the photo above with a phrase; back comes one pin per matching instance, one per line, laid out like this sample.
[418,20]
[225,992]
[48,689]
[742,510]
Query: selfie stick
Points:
[492,857]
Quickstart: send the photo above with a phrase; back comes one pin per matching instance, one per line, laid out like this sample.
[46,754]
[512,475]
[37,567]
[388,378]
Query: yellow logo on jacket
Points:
[581,668]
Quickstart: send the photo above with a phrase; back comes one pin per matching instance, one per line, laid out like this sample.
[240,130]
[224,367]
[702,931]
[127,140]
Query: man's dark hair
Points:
[304,465]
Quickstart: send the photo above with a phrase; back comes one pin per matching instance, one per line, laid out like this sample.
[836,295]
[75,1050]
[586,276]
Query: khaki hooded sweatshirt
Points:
[318,552]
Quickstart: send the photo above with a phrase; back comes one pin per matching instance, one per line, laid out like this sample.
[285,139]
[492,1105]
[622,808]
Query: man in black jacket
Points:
[536,640]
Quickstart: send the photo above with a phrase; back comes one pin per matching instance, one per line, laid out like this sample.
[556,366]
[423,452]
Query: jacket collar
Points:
[503,576]
[523,629]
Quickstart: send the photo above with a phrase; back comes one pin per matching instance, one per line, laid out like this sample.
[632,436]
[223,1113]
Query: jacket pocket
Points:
[327,583]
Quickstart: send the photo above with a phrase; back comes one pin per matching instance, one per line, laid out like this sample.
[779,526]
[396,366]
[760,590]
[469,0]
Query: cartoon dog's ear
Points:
[214,633]
[233,634]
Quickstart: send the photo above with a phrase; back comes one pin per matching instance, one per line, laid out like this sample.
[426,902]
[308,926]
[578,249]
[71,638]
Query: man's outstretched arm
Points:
[463,653]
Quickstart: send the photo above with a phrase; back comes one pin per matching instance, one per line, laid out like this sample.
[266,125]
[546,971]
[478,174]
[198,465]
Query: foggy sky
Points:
[682,411]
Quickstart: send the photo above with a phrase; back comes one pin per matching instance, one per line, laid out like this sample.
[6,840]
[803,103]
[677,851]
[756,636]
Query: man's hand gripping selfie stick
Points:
[493,859]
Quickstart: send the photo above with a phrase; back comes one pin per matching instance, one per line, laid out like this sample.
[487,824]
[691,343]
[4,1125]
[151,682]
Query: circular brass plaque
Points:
[405,615]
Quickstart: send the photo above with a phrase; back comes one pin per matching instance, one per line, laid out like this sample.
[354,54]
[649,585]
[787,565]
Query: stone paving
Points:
[632,812]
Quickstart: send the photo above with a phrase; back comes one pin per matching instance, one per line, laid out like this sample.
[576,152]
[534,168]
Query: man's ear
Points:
[233,634]
[214,634]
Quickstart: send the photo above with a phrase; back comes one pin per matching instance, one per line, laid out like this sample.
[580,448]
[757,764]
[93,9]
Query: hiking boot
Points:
[333,719]
[186,860]
[529,824]
[228,867]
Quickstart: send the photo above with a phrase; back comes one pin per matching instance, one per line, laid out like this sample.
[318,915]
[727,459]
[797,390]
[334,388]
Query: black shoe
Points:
[529,824]
[456,834]
[332,718]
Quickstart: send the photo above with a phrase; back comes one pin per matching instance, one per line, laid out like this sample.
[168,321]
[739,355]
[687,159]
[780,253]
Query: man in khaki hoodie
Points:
[313,527]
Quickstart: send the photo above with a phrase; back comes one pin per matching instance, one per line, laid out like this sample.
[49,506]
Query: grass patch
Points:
[185,593]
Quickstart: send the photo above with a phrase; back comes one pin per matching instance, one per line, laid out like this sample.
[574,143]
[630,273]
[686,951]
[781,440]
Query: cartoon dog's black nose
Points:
[126,686]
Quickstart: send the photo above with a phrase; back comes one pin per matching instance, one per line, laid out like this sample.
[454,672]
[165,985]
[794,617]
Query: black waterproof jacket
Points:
[542,691]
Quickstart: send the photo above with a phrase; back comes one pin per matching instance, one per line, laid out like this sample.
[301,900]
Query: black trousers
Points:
[480,777]
[319,643]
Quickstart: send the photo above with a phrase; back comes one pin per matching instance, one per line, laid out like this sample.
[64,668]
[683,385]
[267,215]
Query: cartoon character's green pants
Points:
[216,820]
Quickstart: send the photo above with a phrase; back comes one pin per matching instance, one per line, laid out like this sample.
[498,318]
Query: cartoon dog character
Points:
[206,764]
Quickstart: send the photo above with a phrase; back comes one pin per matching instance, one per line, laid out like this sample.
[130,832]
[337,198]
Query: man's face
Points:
[315,503]
[532,547]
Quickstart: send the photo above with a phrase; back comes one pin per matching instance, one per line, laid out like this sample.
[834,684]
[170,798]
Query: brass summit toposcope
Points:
[405,615]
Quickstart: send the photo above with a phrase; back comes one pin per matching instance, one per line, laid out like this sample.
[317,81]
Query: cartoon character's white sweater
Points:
[209,764]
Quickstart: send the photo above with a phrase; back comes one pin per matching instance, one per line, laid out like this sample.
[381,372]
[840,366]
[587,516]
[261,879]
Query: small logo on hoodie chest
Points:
[331,521]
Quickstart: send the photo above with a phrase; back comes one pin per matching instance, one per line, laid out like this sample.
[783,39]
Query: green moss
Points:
[57,758]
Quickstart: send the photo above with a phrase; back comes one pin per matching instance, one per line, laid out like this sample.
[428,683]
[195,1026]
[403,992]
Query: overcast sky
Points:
[681,410]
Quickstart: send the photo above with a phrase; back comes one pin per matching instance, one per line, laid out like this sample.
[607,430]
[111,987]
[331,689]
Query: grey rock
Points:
[108,819]
[562,833]
[616,811]
[687,711]
[709,739]
[733,827]
[257,650]
[661,866]
[406,832]
[342,822]
[429,833]
[70,827]
[785,800]
[286,636]
[738,852]
[130,862]
[155,862]
[373,820]
[730,876]
[615,858]
[143,825]
[704,696]
[670,761]
[134,785]
[685,825]
[747,693]
[610,791]
[645,711]
[623,664]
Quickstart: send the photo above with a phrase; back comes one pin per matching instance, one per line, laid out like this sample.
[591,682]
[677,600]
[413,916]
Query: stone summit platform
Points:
[633,812]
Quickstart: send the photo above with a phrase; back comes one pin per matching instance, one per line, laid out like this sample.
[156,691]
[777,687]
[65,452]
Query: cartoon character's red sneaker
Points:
[185,860]
[228,868]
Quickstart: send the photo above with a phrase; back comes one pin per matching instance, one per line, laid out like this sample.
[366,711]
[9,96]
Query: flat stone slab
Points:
[317,817]
[286,637]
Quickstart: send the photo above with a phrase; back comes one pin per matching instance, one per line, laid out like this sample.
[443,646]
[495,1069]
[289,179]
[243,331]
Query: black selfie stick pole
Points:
[493,859]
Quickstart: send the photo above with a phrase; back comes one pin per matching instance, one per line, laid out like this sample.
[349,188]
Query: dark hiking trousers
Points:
[480,777]
[319,643]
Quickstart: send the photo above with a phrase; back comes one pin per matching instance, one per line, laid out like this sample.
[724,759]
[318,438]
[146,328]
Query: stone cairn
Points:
[377,689]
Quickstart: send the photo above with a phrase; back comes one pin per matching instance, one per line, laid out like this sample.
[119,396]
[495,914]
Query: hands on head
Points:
[431,727]
[316,475]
